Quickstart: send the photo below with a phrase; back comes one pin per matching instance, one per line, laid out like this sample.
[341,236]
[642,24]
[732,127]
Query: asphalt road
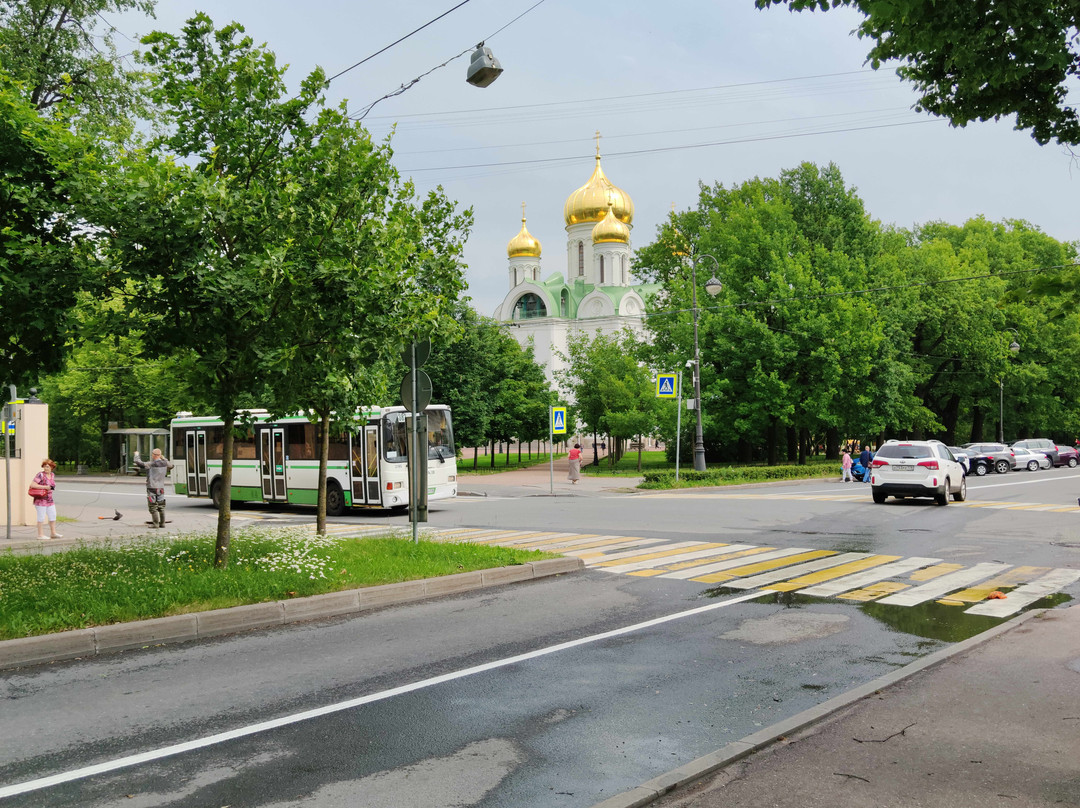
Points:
[558,692]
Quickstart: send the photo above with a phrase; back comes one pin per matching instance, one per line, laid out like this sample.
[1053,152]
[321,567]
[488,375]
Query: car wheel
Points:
[1072,462]
[960,494]
[1033,465]
[335,500]
[879,497]
[942,496]
[981,469]
[1002,466]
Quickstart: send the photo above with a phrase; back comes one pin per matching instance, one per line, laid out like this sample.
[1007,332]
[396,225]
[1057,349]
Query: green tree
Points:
[65,56]
[42,264]
[232,254]
[977,61]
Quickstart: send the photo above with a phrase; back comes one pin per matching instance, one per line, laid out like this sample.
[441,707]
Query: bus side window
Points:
[301,440]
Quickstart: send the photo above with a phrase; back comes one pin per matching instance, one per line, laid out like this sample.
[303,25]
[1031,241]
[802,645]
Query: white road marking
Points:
[295,718]
[1028,593]
[630,553]
[741,561]
[945,584]
[677,559]
[860,579]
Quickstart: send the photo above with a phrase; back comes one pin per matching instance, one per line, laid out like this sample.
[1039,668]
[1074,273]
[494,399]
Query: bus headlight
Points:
[452,478]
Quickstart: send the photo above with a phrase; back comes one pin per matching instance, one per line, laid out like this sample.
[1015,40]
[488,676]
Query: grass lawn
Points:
[95,585]
[483,462]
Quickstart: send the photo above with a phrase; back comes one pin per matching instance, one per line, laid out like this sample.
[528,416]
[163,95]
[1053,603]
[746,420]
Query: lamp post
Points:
[1014,346]
[713,287]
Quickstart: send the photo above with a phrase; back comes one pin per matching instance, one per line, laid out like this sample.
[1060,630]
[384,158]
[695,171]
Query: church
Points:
[595,294]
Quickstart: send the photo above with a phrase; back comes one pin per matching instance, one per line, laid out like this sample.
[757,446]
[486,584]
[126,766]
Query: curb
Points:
[652,790]
[90,642]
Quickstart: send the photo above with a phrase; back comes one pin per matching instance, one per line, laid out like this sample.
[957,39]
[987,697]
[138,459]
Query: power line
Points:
[397,42]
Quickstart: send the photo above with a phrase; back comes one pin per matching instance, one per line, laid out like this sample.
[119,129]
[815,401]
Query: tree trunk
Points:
[832,443]
[221,548]
[804,445]
[792,444]
[772,446]
[493,452]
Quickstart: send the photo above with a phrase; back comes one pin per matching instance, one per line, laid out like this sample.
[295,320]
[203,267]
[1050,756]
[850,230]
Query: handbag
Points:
[36,491]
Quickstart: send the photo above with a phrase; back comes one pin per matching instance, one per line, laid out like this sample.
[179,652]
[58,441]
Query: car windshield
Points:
[905,450]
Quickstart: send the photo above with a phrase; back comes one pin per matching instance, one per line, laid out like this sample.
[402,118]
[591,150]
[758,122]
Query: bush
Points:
[731,475]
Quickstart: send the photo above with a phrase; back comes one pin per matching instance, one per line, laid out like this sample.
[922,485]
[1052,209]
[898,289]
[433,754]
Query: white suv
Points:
[917,468]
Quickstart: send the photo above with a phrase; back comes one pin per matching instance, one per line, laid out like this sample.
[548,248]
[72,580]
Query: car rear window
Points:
[905,451]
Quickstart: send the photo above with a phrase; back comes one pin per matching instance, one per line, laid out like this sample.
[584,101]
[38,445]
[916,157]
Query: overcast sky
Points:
[681,92]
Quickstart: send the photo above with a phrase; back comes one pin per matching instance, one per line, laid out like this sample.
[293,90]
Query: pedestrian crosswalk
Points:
[851,576]
[854,576]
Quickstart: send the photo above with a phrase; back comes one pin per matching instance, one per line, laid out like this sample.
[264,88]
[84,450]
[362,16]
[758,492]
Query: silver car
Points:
[1030,459]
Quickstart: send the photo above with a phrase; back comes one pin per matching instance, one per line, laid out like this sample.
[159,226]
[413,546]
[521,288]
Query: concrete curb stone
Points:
[652,790]
[89,642]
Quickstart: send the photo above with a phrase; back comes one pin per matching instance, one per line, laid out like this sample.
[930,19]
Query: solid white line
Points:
[264,726]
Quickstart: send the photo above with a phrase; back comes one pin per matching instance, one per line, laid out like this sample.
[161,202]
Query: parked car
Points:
[917,468]
[1030,460]
[990,457]
[1068,456]
[963,457]
[1044,445]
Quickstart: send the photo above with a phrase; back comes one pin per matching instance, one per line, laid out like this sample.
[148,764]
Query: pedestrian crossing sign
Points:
[558,420]
[666,386]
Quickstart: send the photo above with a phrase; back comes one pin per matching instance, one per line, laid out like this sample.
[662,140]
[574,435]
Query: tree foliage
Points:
[977,61]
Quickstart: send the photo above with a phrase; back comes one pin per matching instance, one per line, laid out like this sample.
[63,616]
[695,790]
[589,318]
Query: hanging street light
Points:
[713,286]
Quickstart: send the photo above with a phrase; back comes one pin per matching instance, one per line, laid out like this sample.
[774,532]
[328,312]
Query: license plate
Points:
[904,468]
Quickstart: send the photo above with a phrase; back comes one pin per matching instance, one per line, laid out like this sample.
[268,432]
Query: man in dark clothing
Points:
[865,456]
[156,470]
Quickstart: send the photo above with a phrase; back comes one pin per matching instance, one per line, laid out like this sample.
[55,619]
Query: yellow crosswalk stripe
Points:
[763,566]
[1015,576]
[875,591]
[833,572]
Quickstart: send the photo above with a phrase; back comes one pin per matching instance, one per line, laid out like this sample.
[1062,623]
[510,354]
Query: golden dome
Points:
[523,244]
[589,203]
[610,229]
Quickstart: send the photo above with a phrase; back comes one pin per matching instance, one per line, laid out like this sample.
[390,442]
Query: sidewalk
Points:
[97,521]
[991,721]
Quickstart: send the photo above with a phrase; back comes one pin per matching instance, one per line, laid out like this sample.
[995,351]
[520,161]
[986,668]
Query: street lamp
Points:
[1014,346]
[713,287]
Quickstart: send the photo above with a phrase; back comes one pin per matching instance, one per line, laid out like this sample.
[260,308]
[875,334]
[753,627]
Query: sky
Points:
[681,93]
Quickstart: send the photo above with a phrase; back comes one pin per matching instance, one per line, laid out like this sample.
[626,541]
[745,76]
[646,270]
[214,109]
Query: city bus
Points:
[276,460]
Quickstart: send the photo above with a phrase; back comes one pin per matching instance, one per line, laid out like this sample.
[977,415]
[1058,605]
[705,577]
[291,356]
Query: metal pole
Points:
[678,423]
[414,453]
[699,440]
[551,444]
[1001,410]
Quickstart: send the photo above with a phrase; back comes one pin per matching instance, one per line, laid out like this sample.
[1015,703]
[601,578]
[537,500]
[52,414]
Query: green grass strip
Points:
[99,584]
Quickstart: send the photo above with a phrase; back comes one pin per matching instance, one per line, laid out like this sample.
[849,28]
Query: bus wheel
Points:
[335,500]
[215,493]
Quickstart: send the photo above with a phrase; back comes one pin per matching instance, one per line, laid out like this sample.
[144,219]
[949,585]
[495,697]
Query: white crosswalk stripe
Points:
[1027,593]
[945,584]
[831,589]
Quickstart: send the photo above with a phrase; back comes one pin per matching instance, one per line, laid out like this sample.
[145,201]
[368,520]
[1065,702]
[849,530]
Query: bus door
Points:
[365,467]
[196,463]
[272,465]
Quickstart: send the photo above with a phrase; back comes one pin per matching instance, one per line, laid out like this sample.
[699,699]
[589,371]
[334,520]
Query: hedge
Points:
[732,474]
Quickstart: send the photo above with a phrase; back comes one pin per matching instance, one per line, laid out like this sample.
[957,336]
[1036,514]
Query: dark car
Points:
[1068,456]
[963,456]
[1044,445]
[987,457]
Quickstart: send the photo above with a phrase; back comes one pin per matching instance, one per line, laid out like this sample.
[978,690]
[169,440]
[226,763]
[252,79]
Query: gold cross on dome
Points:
[598,143]
[522,211]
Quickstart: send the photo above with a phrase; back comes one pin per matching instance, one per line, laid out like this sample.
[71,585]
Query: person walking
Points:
[575,464]
[845,464]
[156,470]
[44,485]
[865,456]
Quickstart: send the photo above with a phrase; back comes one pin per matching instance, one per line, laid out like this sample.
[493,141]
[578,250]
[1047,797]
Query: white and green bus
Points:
[277,460]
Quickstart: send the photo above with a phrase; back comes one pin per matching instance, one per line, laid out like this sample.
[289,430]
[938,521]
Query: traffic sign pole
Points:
[678,424]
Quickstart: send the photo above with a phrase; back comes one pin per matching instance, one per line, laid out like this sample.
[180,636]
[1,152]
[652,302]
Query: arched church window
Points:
[580,258]
[528,307]
[601,269]
[564,303]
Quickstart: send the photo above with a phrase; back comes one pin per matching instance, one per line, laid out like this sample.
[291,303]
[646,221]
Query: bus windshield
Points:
[396,435]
